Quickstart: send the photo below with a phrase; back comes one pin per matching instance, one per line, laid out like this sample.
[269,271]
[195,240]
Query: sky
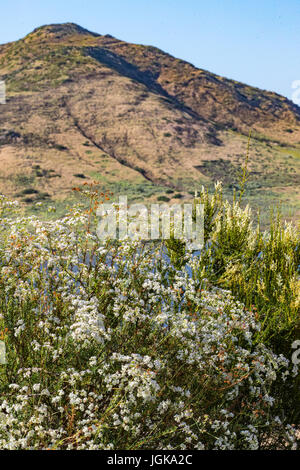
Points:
[253,41]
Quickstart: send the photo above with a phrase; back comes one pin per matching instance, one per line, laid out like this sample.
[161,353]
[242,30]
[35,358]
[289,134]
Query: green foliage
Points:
[79,175]
[30,191]
[163,198]
[24,180]
[260,268]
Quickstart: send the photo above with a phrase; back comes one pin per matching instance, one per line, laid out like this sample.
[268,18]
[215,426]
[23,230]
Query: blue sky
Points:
[253,41]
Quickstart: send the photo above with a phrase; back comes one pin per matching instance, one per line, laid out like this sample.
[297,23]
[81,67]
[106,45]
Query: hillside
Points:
[83,106]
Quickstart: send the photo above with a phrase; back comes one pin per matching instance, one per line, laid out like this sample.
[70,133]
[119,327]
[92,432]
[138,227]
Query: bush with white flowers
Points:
[108,346]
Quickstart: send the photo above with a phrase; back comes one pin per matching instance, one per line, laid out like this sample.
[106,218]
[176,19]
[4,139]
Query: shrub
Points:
[30,191]
[79,175]
[163,198]
[110,346]
[261,269]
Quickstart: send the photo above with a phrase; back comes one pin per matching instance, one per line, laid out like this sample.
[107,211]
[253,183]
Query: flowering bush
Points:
[261,269]
[109,346]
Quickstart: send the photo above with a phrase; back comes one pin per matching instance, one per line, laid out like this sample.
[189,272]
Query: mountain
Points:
[83,106]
